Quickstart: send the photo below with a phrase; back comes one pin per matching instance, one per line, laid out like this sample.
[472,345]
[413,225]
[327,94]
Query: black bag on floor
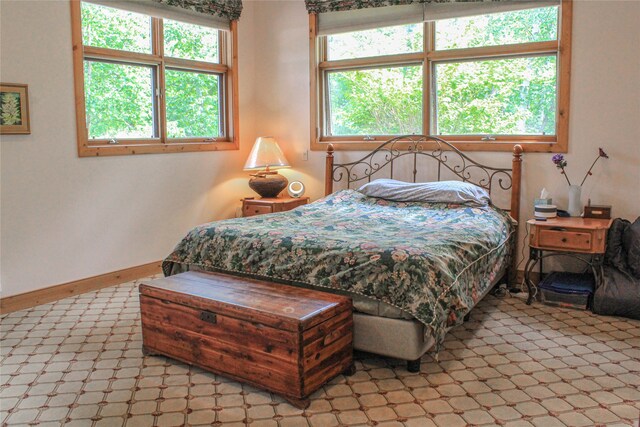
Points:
[619,293]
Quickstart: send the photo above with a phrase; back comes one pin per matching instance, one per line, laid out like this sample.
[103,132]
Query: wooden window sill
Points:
[97,150]
[463,145]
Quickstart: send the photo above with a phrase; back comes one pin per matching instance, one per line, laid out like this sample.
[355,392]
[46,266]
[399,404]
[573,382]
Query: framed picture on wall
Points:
[14,109]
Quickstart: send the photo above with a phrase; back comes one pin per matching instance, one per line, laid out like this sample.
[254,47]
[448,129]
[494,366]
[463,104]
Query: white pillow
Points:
[437,192]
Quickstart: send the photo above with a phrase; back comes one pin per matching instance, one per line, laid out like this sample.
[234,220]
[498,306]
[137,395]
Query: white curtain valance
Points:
[365,19]
[345,21]
[209,13]
[436,11]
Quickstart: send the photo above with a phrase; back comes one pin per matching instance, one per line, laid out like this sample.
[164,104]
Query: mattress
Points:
[427,261]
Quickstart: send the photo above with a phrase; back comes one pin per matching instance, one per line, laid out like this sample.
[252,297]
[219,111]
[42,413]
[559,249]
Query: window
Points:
[151,85]
[482,82]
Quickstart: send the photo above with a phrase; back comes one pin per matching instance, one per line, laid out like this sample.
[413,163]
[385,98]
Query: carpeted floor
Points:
[78,362]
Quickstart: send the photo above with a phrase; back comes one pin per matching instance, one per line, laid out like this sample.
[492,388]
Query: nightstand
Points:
[568,237]
[253,207]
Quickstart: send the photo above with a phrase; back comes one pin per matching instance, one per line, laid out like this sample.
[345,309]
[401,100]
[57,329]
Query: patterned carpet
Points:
[78,362]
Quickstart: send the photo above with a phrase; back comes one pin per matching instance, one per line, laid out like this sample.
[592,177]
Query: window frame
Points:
[228,92]
[428,58]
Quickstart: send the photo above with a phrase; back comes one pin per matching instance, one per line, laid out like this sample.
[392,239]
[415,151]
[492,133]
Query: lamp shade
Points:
[266,154]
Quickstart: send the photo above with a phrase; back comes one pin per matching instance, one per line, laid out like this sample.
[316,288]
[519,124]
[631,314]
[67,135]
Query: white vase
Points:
[575,205]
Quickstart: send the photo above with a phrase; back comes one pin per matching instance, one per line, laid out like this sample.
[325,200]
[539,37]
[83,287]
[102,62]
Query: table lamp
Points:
[266,156]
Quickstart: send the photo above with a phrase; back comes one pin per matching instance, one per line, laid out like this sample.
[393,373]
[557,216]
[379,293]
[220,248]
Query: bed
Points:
[413,269]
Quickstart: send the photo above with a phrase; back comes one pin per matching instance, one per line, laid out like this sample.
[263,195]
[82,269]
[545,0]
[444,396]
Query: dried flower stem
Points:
[565,175]
[589,171]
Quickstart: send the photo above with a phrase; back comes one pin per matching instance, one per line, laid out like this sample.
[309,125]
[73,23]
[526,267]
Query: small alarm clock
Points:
[295,189]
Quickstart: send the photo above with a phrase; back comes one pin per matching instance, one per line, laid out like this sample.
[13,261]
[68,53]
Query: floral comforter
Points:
[433,261]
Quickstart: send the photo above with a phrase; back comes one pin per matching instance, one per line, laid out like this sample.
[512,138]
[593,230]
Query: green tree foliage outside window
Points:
[377,101]
[192,104]
[190,41]
[120,98]
[384,101]
[499,97]
[115,29]
[511,96]
[522,26]
[381,41]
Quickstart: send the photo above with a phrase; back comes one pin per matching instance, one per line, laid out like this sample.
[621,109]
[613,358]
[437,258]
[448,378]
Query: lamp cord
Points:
[522,254]
[503,291]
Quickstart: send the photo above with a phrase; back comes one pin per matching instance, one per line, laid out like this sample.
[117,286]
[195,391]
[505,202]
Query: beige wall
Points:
[605,103]
[65,218]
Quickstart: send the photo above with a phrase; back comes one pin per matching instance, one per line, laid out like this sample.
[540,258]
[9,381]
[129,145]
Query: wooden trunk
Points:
[285,339]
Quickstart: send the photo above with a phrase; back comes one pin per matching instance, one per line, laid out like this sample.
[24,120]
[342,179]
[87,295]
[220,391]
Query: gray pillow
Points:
[437,192]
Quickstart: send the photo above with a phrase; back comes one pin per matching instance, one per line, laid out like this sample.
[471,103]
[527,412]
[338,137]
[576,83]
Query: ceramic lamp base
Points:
[268,185]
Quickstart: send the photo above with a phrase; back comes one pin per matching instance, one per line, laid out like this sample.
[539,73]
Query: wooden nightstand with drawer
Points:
[566,236]
[253,207]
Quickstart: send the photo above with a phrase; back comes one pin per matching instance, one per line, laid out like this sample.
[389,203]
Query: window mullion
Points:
[326,107]
[223,109]
[158,48]
[188,64]
[427,86]
[488,52]
[224,52]
[106,54]
[222,48]
[324,125]
[372,62]
[225,89]
[324,49]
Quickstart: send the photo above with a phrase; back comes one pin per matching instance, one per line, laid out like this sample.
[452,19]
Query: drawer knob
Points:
[564,240]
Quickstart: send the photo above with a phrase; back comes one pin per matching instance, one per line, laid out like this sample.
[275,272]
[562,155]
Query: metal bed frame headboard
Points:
[445,154]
